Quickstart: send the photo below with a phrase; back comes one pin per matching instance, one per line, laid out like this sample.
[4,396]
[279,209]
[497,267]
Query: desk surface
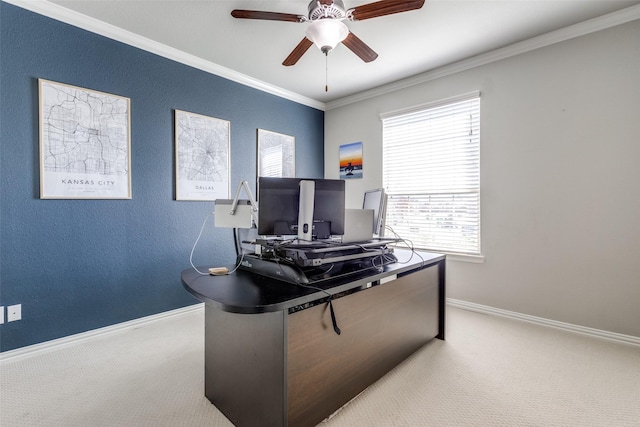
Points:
[245,292]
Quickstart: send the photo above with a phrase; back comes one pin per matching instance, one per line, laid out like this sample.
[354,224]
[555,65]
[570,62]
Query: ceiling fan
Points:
[326,26]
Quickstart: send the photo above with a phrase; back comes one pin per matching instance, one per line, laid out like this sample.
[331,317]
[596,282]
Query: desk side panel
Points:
[245,366]
[381,326]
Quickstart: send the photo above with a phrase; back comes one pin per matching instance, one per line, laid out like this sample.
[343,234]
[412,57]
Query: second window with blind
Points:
[431,174]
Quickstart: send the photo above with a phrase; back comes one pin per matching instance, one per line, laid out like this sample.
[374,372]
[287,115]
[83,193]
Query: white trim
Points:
[96,26]
[47,346]
[596,333]
[583,28]
[431,104]
[32,350]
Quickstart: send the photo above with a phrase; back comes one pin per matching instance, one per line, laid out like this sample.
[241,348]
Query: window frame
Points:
[457,253]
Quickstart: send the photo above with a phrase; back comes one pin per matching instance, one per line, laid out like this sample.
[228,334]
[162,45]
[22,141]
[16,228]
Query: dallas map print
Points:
[84,143]
[202,157]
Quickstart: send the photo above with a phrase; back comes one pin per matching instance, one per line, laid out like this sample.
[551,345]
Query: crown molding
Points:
[93,25]
[96,26]
[583,28]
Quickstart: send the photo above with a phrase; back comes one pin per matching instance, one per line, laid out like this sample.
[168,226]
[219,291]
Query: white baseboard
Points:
[32,350]
[13,355]
[598,333]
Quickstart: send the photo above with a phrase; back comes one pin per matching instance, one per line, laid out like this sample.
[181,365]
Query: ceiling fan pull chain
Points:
[326,72]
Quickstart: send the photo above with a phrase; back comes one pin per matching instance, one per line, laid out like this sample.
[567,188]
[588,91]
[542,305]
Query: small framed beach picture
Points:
[351,160]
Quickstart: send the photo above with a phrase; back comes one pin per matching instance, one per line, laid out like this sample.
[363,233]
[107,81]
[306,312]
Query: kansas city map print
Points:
[202,157]
[84,143]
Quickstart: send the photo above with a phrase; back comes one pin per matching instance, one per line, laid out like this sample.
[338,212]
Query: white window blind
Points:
[431,173]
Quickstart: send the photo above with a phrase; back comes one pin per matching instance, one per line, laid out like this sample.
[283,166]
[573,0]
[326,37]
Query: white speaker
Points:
[305,210]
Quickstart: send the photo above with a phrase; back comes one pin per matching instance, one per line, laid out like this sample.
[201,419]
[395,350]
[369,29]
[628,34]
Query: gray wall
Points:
[560,179]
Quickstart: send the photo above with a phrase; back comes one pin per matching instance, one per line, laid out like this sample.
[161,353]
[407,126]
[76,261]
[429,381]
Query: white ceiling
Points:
[409,43]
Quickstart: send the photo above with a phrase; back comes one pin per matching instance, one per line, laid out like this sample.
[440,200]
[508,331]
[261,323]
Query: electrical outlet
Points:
[14,312]
[1,314]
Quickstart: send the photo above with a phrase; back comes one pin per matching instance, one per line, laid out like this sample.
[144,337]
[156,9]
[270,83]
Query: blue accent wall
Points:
[78,265]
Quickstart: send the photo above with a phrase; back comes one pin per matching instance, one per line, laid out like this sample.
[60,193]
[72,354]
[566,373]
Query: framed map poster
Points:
[85,143]
[276,154]
[202,157]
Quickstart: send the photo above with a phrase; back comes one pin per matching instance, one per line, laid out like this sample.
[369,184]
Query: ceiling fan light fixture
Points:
[327,33]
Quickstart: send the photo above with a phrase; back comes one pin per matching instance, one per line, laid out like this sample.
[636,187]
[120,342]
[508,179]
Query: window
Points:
[431,173]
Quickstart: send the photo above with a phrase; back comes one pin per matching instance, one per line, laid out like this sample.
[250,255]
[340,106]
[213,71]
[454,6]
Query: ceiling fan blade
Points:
[297,53]
[359,47]
[384,7]
[270,16]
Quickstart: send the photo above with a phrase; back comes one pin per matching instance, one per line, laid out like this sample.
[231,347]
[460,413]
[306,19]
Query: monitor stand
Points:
[289,272]
[274,269]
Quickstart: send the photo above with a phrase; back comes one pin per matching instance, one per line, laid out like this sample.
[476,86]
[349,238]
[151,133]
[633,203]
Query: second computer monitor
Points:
[376,200]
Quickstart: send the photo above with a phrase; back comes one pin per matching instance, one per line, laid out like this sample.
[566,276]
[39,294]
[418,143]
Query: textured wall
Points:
[77,265]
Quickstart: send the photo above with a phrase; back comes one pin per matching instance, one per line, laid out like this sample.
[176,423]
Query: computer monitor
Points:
[376,200]
[279,198]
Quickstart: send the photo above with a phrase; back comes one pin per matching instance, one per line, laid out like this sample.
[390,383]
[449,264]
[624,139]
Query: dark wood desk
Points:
[272,357]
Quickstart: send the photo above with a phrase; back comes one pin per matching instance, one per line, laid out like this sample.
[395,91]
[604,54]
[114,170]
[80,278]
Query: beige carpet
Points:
[491,371]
